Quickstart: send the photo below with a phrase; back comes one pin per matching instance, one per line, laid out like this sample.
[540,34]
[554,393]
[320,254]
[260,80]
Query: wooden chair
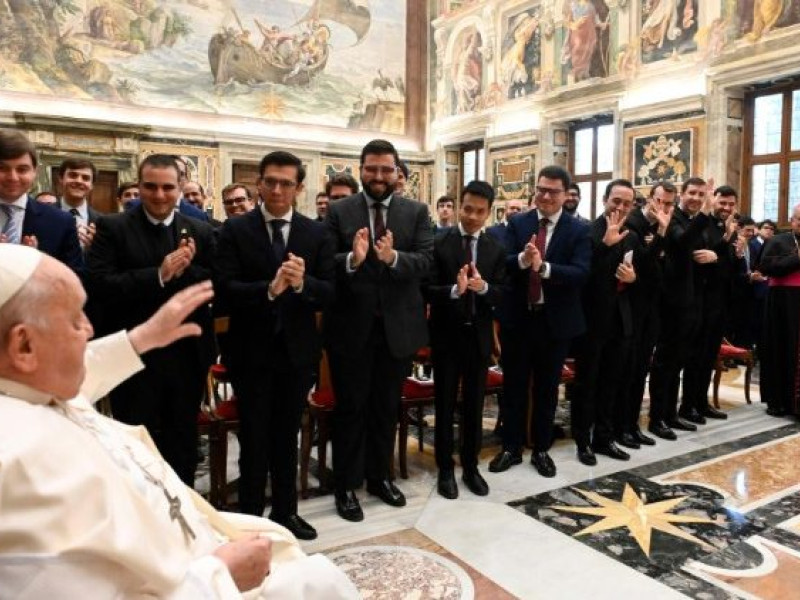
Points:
[729,352]
[218,416]
[319,412]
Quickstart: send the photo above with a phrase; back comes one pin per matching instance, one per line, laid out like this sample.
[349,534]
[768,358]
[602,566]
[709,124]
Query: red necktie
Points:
[535,285]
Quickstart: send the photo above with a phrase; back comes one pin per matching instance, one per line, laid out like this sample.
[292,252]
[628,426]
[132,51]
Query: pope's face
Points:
[60,343]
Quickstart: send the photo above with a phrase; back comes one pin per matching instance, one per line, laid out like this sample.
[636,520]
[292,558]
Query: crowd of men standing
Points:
[643,289]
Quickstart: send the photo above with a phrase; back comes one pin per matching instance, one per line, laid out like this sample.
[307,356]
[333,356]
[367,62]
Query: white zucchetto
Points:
[17,264]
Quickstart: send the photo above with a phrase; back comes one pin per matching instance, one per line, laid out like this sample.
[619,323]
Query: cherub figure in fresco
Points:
[765,14]
[582,21]
[628,61]
[711,39]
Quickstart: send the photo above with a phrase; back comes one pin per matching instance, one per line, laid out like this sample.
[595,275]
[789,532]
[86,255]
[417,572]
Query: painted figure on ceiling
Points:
[582,41]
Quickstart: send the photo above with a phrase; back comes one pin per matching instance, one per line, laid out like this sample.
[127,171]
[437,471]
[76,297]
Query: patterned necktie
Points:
[535,283]
[380,225]
[278,243]
[12,227]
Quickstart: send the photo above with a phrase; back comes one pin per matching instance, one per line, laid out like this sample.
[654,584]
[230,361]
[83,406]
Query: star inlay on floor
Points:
[637,516]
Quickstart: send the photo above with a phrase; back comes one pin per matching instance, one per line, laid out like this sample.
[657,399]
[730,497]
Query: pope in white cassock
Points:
[88,509]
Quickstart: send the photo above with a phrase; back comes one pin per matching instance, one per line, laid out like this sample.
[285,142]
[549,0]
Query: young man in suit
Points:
[24,220]
[384,248]
[137,260]
[273,347]
[548,264]
[466,282]
[76,180]
[604,353]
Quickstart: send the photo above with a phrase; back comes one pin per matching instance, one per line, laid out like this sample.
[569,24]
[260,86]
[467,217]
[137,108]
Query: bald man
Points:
[89,508]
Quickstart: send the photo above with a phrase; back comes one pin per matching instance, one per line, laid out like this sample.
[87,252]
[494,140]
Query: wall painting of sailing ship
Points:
[337,63]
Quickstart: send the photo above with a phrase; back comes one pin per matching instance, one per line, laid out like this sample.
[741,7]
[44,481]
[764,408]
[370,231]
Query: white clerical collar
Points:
[554,219]
[14,389]
[21,202]
[475,235]
[268,216]
[166,222]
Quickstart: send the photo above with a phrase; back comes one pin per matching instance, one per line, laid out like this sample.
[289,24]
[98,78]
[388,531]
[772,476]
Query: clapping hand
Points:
[360,246]
[86,234]
[177,261]
[462,280]
[475,282]
[384,248]
[531,255]
[294,269]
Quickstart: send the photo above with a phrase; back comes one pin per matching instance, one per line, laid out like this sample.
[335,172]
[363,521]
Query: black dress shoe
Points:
[692,416]
[712,413]
[544,464]
[629,441]
[611,450]
[386,491]
[586,456]
[776,412]
[298,526]
[446,485]
[475,483]
[681,425]
[660,429]
[504,461]
[644,440]
[348,507]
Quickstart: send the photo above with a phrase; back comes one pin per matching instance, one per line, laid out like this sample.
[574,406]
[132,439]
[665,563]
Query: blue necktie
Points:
[11,229]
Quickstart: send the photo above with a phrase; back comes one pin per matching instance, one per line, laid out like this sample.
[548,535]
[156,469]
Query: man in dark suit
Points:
[76,180]
[274,269]
[650,224]
[23,220]
[445,214]
[548,264]
[680,305]
[195,194]
[498,230]
[467,280]
[137,260]
[182,206]
[384,249]
[716,268]
[604,353]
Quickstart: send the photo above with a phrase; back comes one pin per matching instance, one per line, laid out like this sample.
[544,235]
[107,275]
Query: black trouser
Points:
[678,329]
[531,350]
[271,403]
[599,372]
[367,385]
[646,335]
[703,354]
[165,397]
[459,359]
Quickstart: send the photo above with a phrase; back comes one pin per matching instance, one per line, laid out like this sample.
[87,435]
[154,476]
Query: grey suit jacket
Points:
[375,291]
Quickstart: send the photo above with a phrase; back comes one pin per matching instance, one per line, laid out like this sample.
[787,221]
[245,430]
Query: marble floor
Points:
[715,514]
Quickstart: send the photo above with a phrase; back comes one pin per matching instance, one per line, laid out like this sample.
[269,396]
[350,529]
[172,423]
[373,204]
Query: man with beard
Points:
[680,304]
[384,249]
[780,368]
[602,359]
[650,224]
[716,264]
[572,201]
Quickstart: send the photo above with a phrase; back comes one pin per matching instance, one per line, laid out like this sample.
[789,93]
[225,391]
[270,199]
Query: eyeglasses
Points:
[375,169]
[236,200]
[337,197]
[543,191]
[271,182]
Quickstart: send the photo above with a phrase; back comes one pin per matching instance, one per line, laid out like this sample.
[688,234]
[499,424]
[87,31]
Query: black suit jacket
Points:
[684,236]
[375,288]
[569,253]
[55,233]
[243,269]
[123,264]
[448,314]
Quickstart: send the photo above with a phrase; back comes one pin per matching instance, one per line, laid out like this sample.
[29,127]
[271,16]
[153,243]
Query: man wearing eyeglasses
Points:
[274,269]
[237,200]
[548,264]
[384,248]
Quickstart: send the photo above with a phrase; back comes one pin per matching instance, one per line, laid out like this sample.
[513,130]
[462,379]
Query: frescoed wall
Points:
[334,63]
[668,28]
[521,53]
[753,19]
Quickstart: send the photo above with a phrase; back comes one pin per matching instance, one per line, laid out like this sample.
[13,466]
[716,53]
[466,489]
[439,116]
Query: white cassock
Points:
[87,507]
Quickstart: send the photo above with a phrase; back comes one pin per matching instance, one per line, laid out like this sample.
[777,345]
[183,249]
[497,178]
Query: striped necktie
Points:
[12,229]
